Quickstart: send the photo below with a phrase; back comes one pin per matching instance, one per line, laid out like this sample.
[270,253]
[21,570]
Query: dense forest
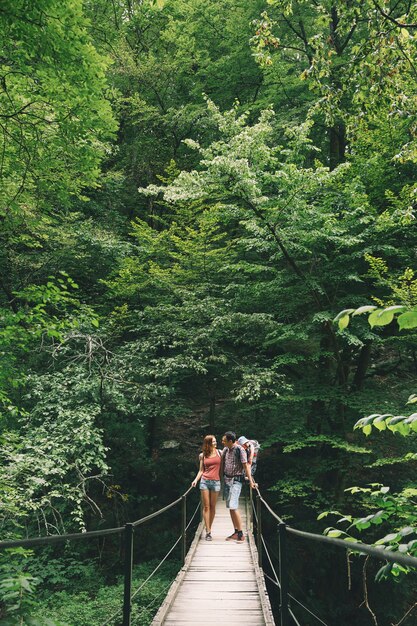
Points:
[207,222]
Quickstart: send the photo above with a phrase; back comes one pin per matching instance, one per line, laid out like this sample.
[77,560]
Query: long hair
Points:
[208,445]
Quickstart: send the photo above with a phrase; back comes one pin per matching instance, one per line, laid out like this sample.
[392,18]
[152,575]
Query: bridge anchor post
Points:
[283,575]
[259,529]
[127,604]
[184,528]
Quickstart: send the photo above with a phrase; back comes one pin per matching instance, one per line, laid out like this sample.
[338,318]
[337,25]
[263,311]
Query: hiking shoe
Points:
[240,539]
[232,537]
[209,537]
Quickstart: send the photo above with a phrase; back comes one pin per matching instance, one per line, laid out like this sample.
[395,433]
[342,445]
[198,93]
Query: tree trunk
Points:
[361,368]
[212,412]
[337,144]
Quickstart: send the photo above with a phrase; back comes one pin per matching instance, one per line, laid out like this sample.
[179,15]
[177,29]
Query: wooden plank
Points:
[215,586]
[173,590]
[213,575]
[219,606]
[220,616]
[192,621]
[201,592]
[219,579]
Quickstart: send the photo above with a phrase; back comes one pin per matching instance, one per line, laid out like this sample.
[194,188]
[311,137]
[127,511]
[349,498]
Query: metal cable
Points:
[378,553]
[145,581]
[152,601]
[165,508]
[152,515]
[143,609]
[270,561]
[306,609]
[156,568]
[193,516]
[277,517]
[297,623]
[274,582]
[110,619]
[34,541]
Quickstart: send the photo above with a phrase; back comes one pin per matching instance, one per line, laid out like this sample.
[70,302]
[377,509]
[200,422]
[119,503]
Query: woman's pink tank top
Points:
[211,467]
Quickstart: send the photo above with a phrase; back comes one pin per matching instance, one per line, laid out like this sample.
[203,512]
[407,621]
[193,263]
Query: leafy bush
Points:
[84,609]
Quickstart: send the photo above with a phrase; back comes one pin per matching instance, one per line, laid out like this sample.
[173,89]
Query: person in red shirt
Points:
[209,477]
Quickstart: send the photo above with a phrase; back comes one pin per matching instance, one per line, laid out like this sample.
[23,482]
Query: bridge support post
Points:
[283,575]
[251,508]
[184,528]
[127,605]
[259,529]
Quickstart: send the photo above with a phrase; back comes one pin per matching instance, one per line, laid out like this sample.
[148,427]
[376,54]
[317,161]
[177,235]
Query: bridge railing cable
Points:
[127,531]
[141,586]
[275,580]
[282,580]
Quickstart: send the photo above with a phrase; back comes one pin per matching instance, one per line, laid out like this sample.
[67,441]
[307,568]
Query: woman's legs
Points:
[205,501]
[213,500]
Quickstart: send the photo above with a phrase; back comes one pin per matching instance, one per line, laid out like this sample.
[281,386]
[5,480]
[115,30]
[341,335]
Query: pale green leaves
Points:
[343,318]
[364,309]
[401,424]
[407,319]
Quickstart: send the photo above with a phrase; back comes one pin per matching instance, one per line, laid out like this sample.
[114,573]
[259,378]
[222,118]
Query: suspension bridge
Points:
[220,580]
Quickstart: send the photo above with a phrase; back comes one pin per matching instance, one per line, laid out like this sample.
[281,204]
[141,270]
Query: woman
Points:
[209,472]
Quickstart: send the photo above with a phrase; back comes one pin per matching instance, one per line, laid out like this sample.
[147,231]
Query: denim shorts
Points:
[209,485]
[232,489]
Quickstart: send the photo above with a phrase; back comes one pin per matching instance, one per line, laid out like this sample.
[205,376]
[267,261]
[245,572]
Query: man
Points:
[234,467]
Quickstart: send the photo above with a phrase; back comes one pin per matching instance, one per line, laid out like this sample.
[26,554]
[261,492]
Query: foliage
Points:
[406,318]
[284,195]
[392,508]
[17,590]
[52,449]
[396,511]
[82,608]
[50,104]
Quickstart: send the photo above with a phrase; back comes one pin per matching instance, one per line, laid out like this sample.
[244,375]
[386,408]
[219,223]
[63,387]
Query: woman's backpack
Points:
[256,447]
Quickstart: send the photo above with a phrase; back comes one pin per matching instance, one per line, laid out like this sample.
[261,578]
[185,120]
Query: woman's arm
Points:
[250,452]
[199,474]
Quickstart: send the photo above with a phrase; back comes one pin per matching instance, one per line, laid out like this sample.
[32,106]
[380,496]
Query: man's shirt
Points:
[234,458]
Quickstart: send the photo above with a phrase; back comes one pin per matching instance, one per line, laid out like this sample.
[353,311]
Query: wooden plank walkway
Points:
[220,581]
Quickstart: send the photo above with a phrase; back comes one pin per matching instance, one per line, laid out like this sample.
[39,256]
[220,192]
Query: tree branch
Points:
[390,18]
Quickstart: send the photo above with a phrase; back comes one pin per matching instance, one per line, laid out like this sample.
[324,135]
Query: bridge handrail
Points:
[266,505]
[378,553]
[160,511]
[36,541]
[275,581]
[135,593]
[127,530]
[282,582]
